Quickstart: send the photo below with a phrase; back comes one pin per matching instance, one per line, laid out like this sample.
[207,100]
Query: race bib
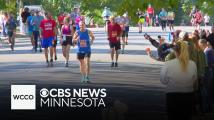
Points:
[114,34]
[64,37]
[83,43]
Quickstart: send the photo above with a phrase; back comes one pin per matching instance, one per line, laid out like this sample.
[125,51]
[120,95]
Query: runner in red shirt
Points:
[114,33]
[47,32]
[151,13]
[61,19]
[198,19]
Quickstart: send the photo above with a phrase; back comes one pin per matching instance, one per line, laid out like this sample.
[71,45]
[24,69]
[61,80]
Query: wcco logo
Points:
[23,97]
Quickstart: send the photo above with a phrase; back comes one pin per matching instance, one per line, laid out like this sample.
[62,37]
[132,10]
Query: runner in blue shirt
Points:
[30,29]
[84,39]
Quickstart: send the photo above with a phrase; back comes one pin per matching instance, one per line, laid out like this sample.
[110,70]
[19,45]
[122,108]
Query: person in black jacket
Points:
[210,38]
[24,16]
[163,48]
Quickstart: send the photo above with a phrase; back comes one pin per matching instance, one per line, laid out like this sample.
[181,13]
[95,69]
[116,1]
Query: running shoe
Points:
[112,64]
[116,64]
[87,79]
[51,62]
[83,79]
[122,52]
[66,64]
[55,58]
[48,65]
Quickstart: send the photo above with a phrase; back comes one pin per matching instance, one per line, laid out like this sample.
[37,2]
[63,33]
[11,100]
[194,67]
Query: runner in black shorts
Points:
[114,34]
[81,56]
[67,32]
[84,39]
[115,45]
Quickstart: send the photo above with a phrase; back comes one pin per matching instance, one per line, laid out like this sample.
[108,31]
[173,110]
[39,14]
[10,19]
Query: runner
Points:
[67,31]
[24,16]
[151,13]
[47,34]
[121,20]
[30,29]
[5,19]
[36,20]
[163,17]
[11,31]
[82,39]
[125,33]
[170,18]
[198,19]
[206,19]
[55,41]
[77,20]
[156,21]
[114,33]
[141,19]
[60,19]
[192,15]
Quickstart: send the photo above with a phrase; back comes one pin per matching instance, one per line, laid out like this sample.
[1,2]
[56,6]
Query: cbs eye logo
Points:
[44,92]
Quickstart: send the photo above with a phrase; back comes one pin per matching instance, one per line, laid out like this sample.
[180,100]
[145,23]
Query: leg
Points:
[140,27]
[13,41]
[112,57]
[54,53]
[117,55]
[165,25]
[51,52]
[64,51]
[170,25]
[10,42]
[67,52]
[46,54]
[126,37]
[117,49]
[36,36]
[162,24]
[87,68]
[82,69]
[123,46]
[31,38]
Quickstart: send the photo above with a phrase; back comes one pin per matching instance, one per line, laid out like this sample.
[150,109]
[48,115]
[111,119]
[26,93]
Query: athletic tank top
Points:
[83,42]
[66,30]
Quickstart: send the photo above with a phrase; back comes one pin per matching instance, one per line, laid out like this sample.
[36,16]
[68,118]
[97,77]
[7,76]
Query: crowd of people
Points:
[166,18]
[188,72]
[148,18]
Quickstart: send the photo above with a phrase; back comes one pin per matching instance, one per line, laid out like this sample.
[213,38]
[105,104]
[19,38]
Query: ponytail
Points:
[183,54]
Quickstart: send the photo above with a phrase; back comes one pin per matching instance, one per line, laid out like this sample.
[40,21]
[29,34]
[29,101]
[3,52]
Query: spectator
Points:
[163,48]
[179,75]
[208,77]
[210,38]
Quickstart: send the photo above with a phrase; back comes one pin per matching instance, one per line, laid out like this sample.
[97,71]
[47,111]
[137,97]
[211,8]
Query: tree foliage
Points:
[118,7]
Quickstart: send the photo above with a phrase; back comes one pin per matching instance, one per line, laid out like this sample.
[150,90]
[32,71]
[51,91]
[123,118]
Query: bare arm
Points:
[92,37]
[75,38]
